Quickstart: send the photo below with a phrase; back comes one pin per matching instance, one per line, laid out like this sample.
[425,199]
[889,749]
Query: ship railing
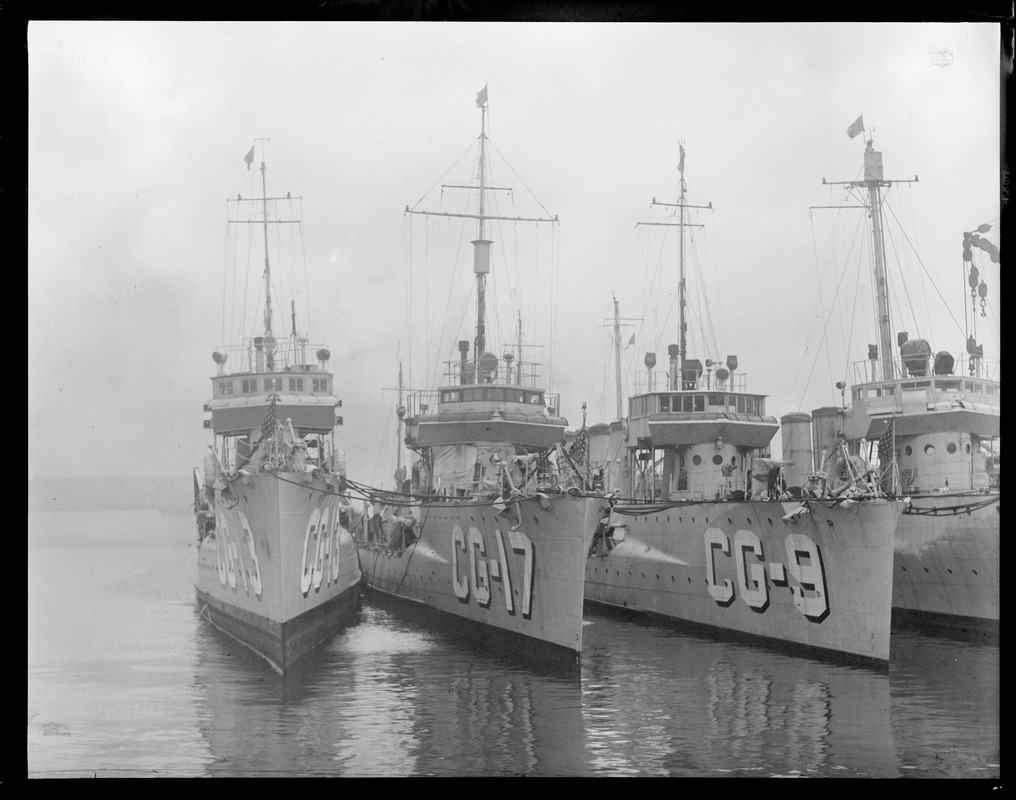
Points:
[288,355]
[963,366]
[659,381]
[511,372]
[426,401]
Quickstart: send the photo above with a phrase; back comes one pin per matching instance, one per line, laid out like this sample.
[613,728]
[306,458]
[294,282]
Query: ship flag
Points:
[680,167]
[856,127]
[249,158]
[631,341]
[271,423]
[481,97]
[578,449]
[886,444]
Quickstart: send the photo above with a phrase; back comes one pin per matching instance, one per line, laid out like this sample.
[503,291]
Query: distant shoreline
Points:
[169,496]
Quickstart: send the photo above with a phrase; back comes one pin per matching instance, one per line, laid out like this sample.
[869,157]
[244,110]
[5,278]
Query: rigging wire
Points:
[930,278]
[824,339]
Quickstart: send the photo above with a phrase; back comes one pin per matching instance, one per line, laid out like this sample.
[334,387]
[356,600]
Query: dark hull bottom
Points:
[728,635]
[528,651]
[966,629]
[281,644]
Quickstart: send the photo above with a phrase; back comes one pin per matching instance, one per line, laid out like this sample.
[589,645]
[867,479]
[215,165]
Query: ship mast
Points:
[400,412]
[481,245]
[681,204]
[873,182]
[269,339]
[617,357]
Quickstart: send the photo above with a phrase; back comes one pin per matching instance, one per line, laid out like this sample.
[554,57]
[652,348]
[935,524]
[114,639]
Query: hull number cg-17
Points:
[469,557]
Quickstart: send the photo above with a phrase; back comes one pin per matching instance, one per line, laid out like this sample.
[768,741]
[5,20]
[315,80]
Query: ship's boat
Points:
[706,529]
[277,564]
[489,528]
[931,421]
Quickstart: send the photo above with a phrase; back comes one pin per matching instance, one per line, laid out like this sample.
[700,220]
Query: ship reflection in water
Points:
[680,705]
[389,697]
[132,682]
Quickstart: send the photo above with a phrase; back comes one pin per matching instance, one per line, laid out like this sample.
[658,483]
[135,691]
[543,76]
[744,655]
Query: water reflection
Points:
[388,696]
[680,705]
[382,698]
[945,706]
[128,680]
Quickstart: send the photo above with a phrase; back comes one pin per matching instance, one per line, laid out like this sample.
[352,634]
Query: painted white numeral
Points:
[751,578]
[505,577]
[461,584]
[479,574]
[810,590]
[523,544]
[307,575]
[321,550]
[255,571]
[220,543]
[336,538]
[716,539]
[231,554]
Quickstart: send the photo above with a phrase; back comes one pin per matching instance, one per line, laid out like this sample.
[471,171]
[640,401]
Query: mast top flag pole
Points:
[856,127]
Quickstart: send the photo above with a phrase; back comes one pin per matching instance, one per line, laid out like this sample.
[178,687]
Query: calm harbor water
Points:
[124,679]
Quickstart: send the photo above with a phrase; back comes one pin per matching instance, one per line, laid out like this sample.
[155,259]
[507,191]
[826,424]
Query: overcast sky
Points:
[137,132]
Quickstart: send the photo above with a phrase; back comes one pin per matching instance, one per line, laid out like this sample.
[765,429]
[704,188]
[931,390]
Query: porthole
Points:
[696,459]
[929,449]
[717,459]
[950,448]
[909,450]
[968,448]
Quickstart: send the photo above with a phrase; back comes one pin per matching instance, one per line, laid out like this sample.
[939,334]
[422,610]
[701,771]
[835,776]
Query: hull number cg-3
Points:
[320,549]
[236,556]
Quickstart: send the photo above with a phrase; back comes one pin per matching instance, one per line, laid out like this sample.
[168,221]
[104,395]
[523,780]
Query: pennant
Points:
[631,341]
[481,97]
[857,127]
[249,158]
[680,167]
